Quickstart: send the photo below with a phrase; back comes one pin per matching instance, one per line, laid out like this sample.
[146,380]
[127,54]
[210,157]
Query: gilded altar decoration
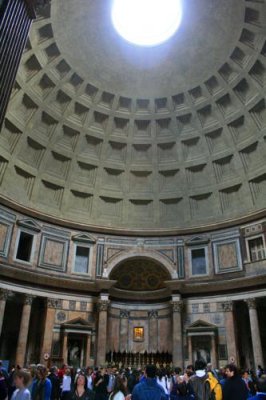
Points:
[138,334]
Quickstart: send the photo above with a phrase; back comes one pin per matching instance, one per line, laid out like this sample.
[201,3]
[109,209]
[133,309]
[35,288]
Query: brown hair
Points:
[24,374]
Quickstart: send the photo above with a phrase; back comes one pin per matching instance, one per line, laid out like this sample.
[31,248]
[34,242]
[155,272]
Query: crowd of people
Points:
[199,382]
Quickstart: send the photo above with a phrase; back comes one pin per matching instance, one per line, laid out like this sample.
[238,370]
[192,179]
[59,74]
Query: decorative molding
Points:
[61,316]
[251,303]
[29,224]
[102,305]
[54,303]
[198,240]
[83,306]
[153,314]
[228,306]
[124,314]
[84,237]
[177,306]
[28,299]
[4,294]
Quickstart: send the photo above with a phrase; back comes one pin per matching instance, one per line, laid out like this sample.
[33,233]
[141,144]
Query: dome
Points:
[113,136]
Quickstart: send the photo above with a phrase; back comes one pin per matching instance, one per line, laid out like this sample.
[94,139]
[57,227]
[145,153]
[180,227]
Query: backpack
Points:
[213,388]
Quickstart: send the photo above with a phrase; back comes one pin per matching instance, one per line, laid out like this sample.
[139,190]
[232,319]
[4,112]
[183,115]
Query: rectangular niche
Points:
[110,207]
[141,181]
[199,263]
[92,147]
[164,127]
[81,262]
[167,152]
[116,151]
[169,180]
[142,128]
[6,227]
[227,255]
[198,175]
[50,195]
[80,202]
[53,252]
[172,209]
[85,173]
[141,210]
[5,235]
[201,205]
[192,148]
[112,179]
[141,153]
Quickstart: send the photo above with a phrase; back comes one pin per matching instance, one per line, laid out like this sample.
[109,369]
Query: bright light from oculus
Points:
[146,22]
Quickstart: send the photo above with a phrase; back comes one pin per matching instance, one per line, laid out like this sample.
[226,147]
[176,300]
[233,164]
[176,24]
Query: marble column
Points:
[52,305]
[213,352]
[153,331]
[102,331]
[88,351]
[230,332]
[177,307]
[64,351]
[189,345]
[3,298]
[23,331]
[255,332]
[123,330]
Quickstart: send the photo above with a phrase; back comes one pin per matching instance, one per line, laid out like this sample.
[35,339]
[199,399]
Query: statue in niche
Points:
[74,354]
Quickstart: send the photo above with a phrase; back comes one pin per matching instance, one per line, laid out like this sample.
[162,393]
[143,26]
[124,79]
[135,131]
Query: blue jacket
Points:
[148,389]
[41,390]
[258,396]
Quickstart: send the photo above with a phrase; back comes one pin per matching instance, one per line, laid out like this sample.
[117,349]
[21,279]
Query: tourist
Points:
[148,388]
[21,380]
[41,386]
[234,387]
[81,391]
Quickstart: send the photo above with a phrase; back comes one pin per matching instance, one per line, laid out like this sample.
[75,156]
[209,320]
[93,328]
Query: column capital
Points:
[153,314]
[124,314]
[54,303]
[177,306]
[28,299]
[4,294]
[251,303]
[227,306]
[102,305]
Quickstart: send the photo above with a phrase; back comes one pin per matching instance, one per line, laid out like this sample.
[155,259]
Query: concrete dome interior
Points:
[132,187]
[102,133]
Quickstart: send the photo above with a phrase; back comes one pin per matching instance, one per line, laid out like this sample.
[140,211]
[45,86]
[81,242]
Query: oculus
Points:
[146,22]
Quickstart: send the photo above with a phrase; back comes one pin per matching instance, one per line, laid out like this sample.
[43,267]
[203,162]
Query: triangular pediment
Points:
[77,322]
[29,224]
[200,325]
[196,240]
[84,237]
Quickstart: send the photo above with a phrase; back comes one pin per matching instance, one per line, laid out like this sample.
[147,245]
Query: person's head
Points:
[81,381]
[67,372]
[41,372]
[245,374]
[231,370]
[53,370]
[200,365]
[177,371]
[150,371]
[21,378]
[120,385]
[261,384]
[209,366]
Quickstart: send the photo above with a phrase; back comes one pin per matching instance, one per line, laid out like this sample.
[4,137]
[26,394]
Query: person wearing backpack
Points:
[197,381]
[204,385]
